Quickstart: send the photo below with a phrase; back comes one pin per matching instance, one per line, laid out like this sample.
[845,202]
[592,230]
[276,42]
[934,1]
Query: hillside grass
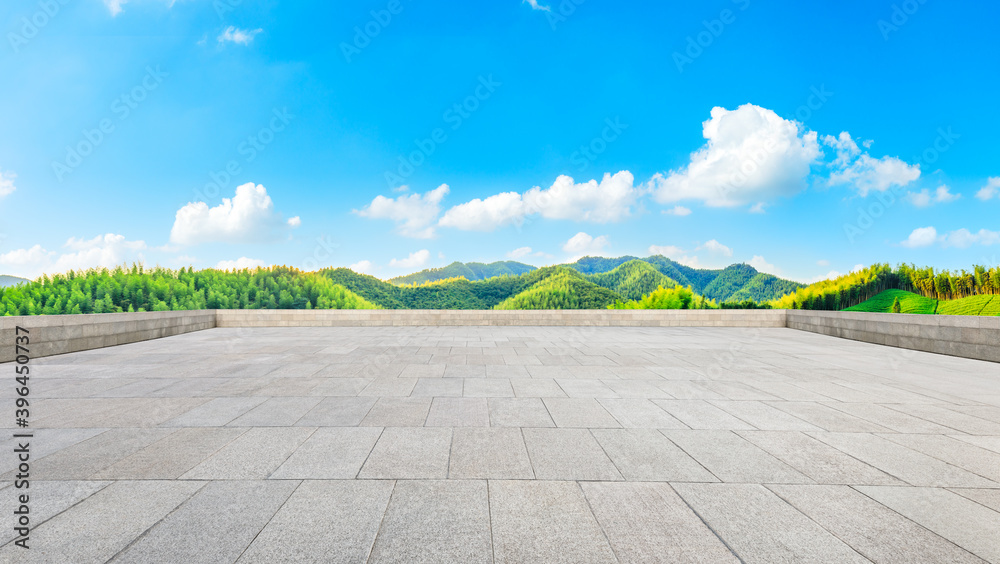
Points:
[986,304]
[910,302]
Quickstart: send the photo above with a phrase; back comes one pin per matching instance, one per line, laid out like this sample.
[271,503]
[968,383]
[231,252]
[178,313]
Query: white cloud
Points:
[115,6]
[294,222]
[363,267]
[612,199]
[583,244]
[536,6]
[679,211]
[26,260]
[762,265]
[751,155]
[864,172]
[716,247]
[963,238]
[248,217]
[925,198]
[757,208]
[828,276]
[103,251]
[519,252]
[921,237]
[823,262]
[240,264]
[240,36]
[668,251]
[991,189]
[414,214]
[415,260]
[857,268]
[7,183]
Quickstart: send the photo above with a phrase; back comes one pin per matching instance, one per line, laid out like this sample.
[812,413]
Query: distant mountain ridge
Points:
[7,280]
[735,283]
[471,271]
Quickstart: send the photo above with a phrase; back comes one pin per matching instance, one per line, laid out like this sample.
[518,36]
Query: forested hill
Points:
[736,283]
[471,271]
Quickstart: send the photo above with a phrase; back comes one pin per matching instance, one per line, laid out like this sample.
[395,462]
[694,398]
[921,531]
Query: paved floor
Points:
[507,445]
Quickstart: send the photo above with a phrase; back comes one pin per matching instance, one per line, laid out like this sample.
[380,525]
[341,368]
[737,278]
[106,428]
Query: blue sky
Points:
[804,138]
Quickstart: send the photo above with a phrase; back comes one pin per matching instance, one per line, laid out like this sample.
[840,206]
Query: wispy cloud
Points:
[536,6]
[233,34]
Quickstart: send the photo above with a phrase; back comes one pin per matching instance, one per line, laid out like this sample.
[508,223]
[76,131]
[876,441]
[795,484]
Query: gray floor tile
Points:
[568,454]
[699,414]
[458,412]
[96,529]
[647,455]
[215,413]
[760,527]
[409,453]
[650,523]
[172,455]
[640,414]
[580,412]
[545,522]
[732,459]
[497,453]
[329,522]
[331,453]
[45,501]
[519,412]
[398,412]
[337,412]
[254,455]
[458,532]
[817,460]
[276,412]
[906,464]
[878,533]
[962,521]
[216,525]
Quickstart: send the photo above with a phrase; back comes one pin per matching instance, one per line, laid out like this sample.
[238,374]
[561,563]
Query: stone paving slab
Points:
[509,444]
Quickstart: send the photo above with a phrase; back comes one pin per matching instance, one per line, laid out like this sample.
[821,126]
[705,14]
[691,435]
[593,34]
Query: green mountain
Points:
[6,281]
[560,288]
[471,271]
[730,280]
[632,280]
[719,285]
[764,287]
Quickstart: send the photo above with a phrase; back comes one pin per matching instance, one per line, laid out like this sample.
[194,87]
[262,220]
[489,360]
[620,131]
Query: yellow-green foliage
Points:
[160,289]
[667,298]
[564,289]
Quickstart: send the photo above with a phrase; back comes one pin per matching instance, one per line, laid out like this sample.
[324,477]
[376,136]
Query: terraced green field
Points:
[910,302]
[914,303]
